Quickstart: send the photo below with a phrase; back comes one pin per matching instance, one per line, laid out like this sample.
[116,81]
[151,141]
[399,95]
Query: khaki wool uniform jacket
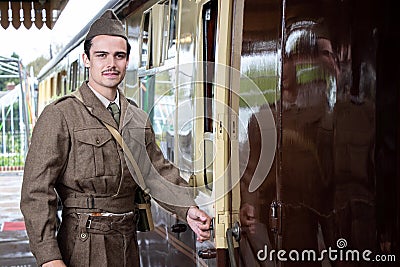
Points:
[73,154]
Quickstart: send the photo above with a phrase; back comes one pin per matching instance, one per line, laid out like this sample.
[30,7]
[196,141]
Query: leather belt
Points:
[107,214]
[111,204]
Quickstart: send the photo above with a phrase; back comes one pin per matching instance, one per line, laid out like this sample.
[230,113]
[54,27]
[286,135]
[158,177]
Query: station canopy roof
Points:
[30,12]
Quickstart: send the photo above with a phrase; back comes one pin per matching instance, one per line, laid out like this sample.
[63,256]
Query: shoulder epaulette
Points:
[61,99]
[132,102]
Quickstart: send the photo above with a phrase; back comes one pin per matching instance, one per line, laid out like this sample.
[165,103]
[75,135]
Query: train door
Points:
[309,105]
[327,180]
[187,100]
[321,203]
[203,42]
[214,179]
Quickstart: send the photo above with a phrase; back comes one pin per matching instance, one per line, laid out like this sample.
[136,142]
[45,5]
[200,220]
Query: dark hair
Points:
[88,44]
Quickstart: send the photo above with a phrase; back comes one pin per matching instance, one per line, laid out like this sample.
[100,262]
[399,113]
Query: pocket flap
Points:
[96,137]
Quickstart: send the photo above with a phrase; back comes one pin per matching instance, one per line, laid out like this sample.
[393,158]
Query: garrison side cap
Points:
[107,24]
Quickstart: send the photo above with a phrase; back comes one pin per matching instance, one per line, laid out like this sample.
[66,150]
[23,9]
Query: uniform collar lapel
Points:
[125,114]
[95,106]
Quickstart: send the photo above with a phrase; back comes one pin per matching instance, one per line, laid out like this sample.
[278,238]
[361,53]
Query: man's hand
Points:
[56,263]
[200,223]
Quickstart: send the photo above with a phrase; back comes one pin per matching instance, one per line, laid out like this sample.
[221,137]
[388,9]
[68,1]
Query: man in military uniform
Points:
[73,156]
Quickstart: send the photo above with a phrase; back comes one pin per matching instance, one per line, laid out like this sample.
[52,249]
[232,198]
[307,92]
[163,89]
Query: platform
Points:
[14,246]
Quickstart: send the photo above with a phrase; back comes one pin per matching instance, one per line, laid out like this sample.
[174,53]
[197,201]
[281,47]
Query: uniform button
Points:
[83,235]
[97,141]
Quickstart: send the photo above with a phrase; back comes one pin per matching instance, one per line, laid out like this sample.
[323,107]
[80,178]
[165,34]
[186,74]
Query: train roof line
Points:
[76,40]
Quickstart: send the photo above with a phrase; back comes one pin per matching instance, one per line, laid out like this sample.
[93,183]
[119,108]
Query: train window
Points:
[173,15]
[86,74]
[165,15]
[81,73]
[59,84]
[157,98]
[64,85]
[158,35]
[209,16]
[52,91]
[73,76]
[145,59]
[133,23]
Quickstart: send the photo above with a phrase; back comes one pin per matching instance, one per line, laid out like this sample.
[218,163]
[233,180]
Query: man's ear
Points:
[86,60]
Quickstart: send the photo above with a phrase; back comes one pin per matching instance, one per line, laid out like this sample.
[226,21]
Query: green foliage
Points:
[37,65]
[12,160]
[5,81]
[42,60]
[15,55]
[13,156]
[6,120]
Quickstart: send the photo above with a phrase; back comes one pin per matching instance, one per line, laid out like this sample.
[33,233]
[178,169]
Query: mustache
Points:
[112,70]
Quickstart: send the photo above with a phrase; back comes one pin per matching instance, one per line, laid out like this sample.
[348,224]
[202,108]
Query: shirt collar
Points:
[104,100]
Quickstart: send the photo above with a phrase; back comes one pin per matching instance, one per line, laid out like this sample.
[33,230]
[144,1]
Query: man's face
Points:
[310,77]
[108,61]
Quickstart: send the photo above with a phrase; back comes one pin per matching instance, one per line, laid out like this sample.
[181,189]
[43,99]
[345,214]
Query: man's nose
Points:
[111,62]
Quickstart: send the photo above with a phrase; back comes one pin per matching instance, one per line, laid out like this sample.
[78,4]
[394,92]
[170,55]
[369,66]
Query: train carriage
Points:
[282,116]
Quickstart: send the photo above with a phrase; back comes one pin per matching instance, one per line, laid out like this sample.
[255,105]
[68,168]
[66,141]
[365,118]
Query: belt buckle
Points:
[89,223]
[95,214]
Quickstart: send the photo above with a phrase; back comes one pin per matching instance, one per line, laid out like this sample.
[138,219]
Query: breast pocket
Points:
[96,153]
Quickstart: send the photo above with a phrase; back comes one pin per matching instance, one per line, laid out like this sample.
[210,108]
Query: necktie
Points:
[113,108]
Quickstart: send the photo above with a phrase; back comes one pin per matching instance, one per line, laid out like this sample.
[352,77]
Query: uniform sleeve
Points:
[45,161]
[169,172]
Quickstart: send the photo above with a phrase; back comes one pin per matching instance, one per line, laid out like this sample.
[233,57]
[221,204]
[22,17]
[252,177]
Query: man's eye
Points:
[101,55]
[121,56]
[326,53]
